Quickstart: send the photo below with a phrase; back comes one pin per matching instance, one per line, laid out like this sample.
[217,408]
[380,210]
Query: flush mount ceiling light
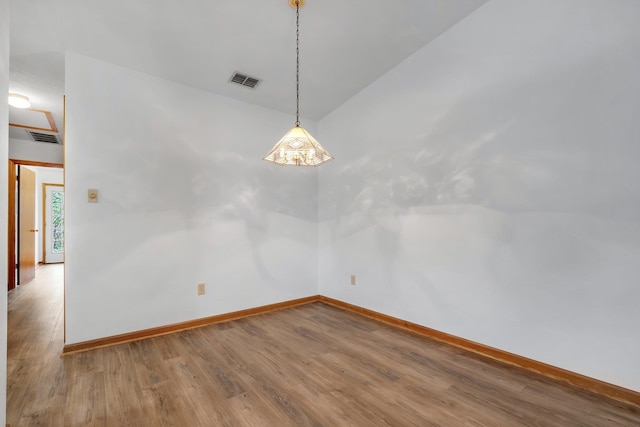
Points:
[19,101]
[298,147]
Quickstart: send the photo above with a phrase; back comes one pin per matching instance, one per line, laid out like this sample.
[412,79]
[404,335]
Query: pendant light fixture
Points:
[298,147]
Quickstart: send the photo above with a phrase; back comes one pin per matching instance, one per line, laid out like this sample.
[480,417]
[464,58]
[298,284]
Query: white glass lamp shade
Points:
[298,148]
[19,101]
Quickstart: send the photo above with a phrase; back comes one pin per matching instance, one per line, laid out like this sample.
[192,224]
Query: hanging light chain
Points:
[297,147]
[298,63]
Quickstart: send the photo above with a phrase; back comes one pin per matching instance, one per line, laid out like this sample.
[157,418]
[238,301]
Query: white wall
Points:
[20,149]
[488,186]
[4,159]
[49,176]
[184,198]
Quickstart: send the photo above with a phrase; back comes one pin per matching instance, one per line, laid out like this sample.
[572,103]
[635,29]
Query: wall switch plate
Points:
[353,279]
[92,195]
[201,289]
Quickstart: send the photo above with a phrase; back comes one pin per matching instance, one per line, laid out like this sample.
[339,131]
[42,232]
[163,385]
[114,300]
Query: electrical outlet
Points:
[201,289]
[353,279]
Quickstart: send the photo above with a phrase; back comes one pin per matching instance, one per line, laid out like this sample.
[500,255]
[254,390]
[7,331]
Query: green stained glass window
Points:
[57,219]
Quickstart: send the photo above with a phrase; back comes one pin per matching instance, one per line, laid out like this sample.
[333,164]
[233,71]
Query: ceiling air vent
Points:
[244,80]
[51,138]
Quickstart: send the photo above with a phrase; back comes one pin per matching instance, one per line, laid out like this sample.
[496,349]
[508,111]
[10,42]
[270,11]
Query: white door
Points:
[53,223]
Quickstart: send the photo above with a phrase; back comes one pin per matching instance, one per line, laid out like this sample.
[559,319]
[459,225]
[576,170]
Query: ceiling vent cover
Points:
[51,138]
[244,80]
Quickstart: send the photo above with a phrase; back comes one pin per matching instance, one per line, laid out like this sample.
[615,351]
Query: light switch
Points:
[92,195]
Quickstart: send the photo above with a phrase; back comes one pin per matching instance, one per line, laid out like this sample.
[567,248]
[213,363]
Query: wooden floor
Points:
[311,365]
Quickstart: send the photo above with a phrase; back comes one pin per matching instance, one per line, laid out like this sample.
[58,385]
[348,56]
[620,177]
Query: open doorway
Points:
[27,219]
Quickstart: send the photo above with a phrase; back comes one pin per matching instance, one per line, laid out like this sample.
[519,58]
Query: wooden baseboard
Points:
[177,327]
[578,380]
[559,374]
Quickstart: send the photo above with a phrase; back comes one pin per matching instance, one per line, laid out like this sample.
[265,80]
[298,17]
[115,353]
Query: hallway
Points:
[35,338]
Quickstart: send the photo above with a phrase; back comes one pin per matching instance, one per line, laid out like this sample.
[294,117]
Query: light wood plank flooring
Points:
[311,365]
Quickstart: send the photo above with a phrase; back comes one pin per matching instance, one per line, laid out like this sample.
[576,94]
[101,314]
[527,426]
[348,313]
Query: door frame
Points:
[12,232]
[44,217]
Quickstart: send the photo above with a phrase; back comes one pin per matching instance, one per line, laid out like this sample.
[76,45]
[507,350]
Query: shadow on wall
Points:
[178,187]
[518,192]
[504,149]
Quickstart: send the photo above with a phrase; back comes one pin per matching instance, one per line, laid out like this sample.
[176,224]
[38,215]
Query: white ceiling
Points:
[345,45]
